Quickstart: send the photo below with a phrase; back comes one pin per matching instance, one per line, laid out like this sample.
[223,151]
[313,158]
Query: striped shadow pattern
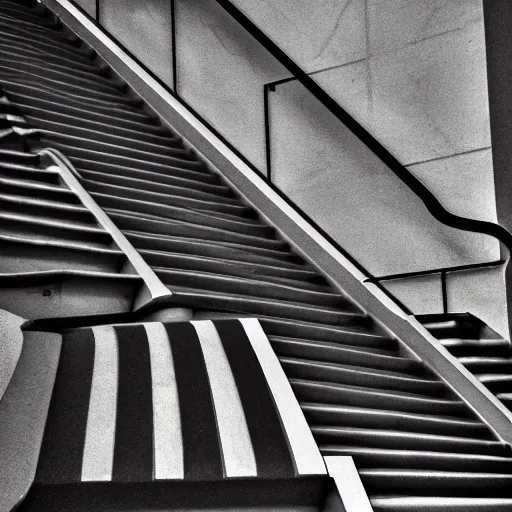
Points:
[194,401]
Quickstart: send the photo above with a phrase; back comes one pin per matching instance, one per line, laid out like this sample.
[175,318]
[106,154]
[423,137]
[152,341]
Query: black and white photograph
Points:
[255,255]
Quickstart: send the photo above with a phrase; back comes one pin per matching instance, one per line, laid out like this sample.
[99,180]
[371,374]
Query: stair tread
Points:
[21,239]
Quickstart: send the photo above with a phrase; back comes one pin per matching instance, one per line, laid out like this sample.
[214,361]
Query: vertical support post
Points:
[173,42]
[266,89]
[498,44]
[444,292]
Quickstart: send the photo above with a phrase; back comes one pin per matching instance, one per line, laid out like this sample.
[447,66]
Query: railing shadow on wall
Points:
[150,33]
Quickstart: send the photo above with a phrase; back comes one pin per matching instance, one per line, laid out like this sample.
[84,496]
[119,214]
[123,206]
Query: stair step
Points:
[29,173]
[382,438]
[440,483]
[186,226]
[360,376]
[46,209]
[470,348]
[351,416]
[162,165]
[80,136]
[191,260]
[51,73]
[207,299]
[487,364]
[179,188]
[164,215]
[44,111]
[24,94]
[174,198]
[162,174]
[39,190]
[69,100]
[424,503]
[344,354]
[392,400]
[361,335]
[200,246]
[24,254]
[74,92]
[250,286]
[82,141]
[46,229]
[18,157]
[374,458]
[495,382]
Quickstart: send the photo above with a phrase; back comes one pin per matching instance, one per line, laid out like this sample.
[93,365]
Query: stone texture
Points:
[145,28]
[23,412]
[395,23]
[221,74]
[89,6]
[421,295]
[482,293]
[348,191]
[463,183]
[317,34]
[430,99]
[11,343]
[348,85]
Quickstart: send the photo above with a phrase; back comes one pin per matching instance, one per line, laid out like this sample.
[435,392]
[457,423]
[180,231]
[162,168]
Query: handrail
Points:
[432,204]
[58,157]
[430,271]
[71,177]
[443,272]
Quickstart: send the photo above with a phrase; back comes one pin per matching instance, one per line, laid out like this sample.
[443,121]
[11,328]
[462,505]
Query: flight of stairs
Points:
[416,445]
[478,347]
[50,241]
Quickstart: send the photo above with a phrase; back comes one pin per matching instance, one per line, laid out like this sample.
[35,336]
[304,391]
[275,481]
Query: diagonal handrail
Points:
[433,205]
[71,177]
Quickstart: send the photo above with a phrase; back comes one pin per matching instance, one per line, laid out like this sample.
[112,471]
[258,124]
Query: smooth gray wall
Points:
[89,6]
[145,29]
[221,74]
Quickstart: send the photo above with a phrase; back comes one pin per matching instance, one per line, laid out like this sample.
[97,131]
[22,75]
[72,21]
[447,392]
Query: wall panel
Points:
[221,74]
[145,29]
[348,191]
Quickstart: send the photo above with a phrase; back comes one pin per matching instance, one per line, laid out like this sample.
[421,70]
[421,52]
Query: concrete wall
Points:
[145,29]
[221,73]
[89,6]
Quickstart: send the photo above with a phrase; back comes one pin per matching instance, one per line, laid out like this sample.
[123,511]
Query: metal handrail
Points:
[430,271]
[71,177]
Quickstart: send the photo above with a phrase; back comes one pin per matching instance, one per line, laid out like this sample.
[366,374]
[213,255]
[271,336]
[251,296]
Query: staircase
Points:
[417,445]
[478,347]
[50,241]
